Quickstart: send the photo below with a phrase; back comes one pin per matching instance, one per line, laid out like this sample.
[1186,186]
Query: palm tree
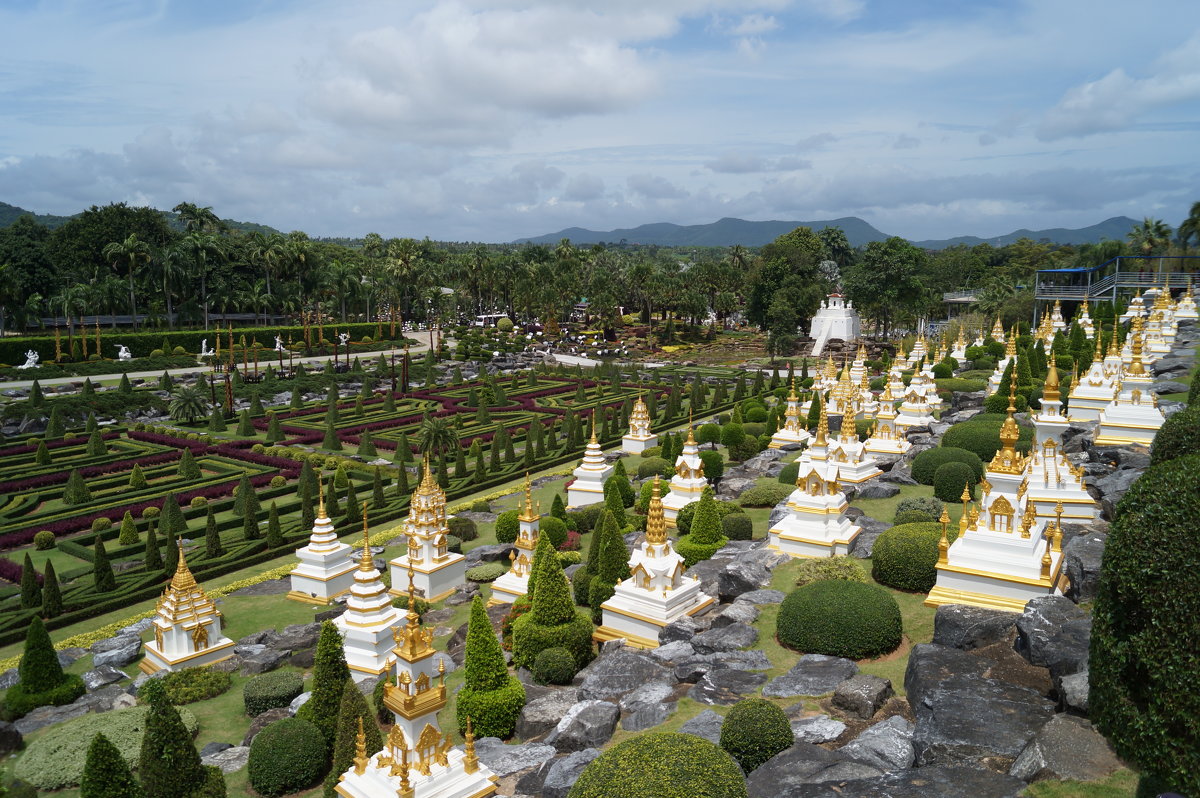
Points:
[201,248]
[1190,228]
[437,436]
[129,252]
[269,252]
[198,220]
[187,404]
[1151,237]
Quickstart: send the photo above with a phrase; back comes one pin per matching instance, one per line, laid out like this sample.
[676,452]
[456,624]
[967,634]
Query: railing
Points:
[960,296]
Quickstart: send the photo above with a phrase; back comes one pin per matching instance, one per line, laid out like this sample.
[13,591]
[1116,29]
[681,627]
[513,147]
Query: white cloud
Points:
[754,25]
[654,187]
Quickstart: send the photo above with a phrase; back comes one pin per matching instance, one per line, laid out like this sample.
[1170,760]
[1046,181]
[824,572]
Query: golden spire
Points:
[1007,460]
[594,442]
[366,562]
[321,501]
[527,514]
[822,427]
[656,525]
[1098,354]
[792,396]
[1136,367]
[1010,347]
[1050,392]
[887,396]
[998,330]
[691,438]
[1112,344]
[183,579]
[470,760]
[360,750]
[428,484]
[944,543]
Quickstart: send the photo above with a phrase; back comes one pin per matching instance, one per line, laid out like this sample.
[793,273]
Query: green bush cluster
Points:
[287,756]
[737,526]
[555,530]
[928,462]
[1178,436]
[683,521]
[918,508]
[43,682]
[788,474]
[905,556]
[981,435]
[840,618]
[951,479]
[754,731]
[195,684]
[845,567]
[490,697]
[44,540]
[661,765]
[554,666]
[507,526]
[270,691]
[765,495]
[462,528]
[486,572]
[654,465]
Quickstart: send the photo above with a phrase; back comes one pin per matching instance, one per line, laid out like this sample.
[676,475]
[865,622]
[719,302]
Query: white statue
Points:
[31,359]
[344,338]
[204,350]
[123,352]
[278,343]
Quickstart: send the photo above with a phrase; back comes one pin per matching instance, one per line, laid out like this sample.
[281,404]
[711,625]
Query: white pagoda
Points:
[854,463]
[326,568]
[858,366]
[886,437]
[366,625]
[1056,317]
[959,352]
[895,381]
[836,319]
[792,431]
[1133,417]
[590,475]
[1185,307]
[824,382]
[816,524]
[439,571]
[187,627]
[639,438]
[1084,319]
[1136,309]
[514,583]
[844,399]
[920,349]
[1054,485]
[657,592]
[688,482]
[1097,387]
[1010,351]
[997,333]
[1005,556]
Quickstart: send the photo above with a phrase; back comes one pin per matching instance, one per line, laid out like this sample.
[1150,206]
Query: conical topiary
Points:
[129,533]
[31,591]
[76,491]
[171,520]
[152,557]
[170,766]
[137,480]
[55,428]
[274,433]
[212,538]
[42,457]
[366,447]
[103,577]
[274,532]
[51,593]
[353,714]
[490,697]
[614,502]
[329,678]
[95,445]
[245,427]
[39,668]
[106,773]
[171,556]
[188,469]
[216,420]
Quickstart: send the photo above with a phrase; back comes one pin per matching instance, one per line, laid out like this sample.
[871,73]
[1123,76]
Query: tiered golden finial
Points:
[1058,513]
[944,543]
[470,760]
[1136,367]
[998,330]
[1010,346]
[366,561]
[360,750]
[656,525]
[321,500]
[594,441]
[822,427]
[1007,460]
[527,511]
[1050,392]
[413,641]
[1113,350]
[1046,561]
[183,579]
[691,438]
[792,394]
[965,518]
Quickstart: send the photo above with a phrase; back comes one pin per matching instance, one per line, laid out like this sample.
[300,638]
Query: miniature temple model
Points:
[836,319]
[689,481]
[657,593]
[366,625]
[187,627]
[1053,482]
[326,569]
[1185,308]
[886,437]
[514,583]
[1133,416]
[1096,389]
[854,463]
[639,438]
[1010,351]
[792,431]
[590,475]
[438,570]
[816,524]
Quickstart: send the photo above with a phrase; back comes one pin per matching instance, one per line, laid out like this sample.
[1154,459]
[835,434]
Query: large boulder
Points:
[742,575]
[1039,623]
[725,638]
[764,596]
[1081,562]
[939,781]
[813,674]
[862,695]
[966,627]
[11,738]
[887,745]
[683,630]
[864,542]
[101,676]
[623,671]
[817,729]
[588,724]
[1067,747]
[555,778]
[786,774]
[297,637]
[1073,691]
[262,721]
[266,660]
[543,714]
[505,760]
[229,760]
[647,706]
[733,487]
[117,651]
[725,686]
[739,612]
[693,668]
[878,489]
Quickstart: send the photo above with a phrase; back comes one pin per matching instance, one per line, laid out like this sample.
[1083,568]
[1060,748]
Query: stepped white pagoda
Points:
[1084,319]
[1096,389]
[1054,485]
[658,591]
[1185,307]
[590,475]
[792,431]
[1010,351]
[514,583]
[439,571]
[1136,309]
[854,463]
[959,352]
[858,366]
[688,482]
[326,568]
[886,437]
[187,627]
[1133,417]
[1056,317]
[816,524]
[639,438]
[366,625]
[836,319]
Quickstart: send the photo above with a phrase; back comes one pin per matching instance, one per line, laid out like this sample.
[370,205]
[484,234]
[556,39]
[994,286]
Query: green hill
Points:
[722,233]
[10,213]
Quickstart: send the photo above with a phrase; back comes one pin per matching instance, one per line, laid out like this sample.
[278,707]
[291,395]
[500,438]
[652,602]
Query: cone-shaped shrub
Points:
[366,447]
[490,697]
[171,520]
[153,554]
[124,386]
[188,469]
[541,552]
[42,457]
[557,508]
[274,532]
[552,620]
[51,593]
[95,445]
[43,682]
[352,711]
[129,533]
[329,678]
[614,502]
[102,572]
[216,420]
[274,433]
[621,480]
[377,497]
[331,442]
[353,517]
[76,491]
[31,591]
[705,537]
[245,428]
[36,397]
[212,538]
[171,556]
[55,429]
[340,479]
[250,526]
[137,479]
[170,766]
[106,774]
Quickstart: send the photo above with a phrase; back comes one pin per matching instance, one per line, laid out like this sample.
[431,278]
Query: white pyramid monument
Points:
[326,568]
[187,627]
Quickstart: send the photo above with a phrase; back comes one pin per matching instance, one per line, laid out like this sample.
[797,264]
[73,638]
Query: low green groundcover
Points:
[661,765]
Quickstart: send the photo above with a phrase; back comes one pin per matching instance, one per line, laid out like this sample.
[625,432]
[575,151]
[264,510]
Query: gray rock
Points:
[543,714]
[555,778]
[494,553]
[733,487]
[1042,619]
[1113,487]
[588,724]
[725,686]
[878,489]
[296,637]
[505,760]
[707,725]
[725,638]
[787,773]
[1168,386]
[67,656]
[898,475]
[762,597]
[260,722]
[9,678]
[229,760]
[1066,748]
[864,542]
[741,576]
[213,748]
[101,676]
[966,627]
[693,668]
[11,738]
[106,699]
[813,674]
[683,629]
[117,651]
[138,628]
[673,652]
[778,513]
[887,745]
[817,729]
[248,649]
[266,660]
[264,637]
[1081,561]
[647,706]
[862,695]
[623,671]
[738,612]
[42,717]
[299,701]
[1073,690]
[939,781]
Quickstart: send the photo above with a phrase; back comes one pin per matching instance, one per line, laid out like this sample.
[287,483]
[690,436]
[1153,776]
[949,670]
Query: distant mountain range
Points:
[10,213]
[727,232]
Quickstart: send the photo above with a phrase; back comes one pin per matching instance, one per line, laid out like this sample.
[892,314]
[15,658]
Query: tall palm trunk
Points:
[132,299]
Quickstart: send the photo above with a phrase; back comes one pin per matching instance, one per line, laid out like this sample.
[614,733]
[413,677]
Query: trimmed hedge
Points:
[287,756]
[493,713]
[462,528]
[486,572]
[661,765]
[904,556]
[789,473]
[554,666]
[840,619]
[754,731]
[928,462]
[981,435]
[270,691]
[814,570]
[724,509]
[196,684]
[923,505]
[1179,436]
[951,479]
[654,465]
[737,526]
[765,495]
[531,638]
[507,526]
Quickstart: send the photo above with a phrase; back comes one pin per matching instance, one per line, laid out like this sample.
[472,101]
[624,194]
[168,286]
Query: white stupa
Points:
[997,333]
[366,625]
[1084,319]
[514,583]
[1185,308]
[1056,317]
[326,568]
[959,352]
[688,482]
[920,349]
[792,431]
[1133,417]
[639,438]
[816,524]
[858,366]
[836,320]
[1054,485]
[886,437]
[657,593]
[590,475]
[851,458]
[439,571]
[844,399]
[187,627]
[1135,310]
[1096,389]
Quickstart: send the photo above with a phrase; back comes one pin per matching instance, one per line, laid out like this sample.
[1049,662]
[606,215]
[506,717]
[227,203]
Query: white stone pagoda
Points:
[836,319]
[895,382]
[959,352]
[1133,416]
[1056,317]
[854,463]
[816,524]
[844,399]
[688,482]
[886,437]
[590,475]
[326,568]
[657,593]
[1054,485]
[439,571]
[366,625]
[858,366]
[514,583]
[997,333]
[920,349]
[1084,319]
[1185,307]
[792,431]
[1098,387]
[639,438]
[187,627]
[1136,309]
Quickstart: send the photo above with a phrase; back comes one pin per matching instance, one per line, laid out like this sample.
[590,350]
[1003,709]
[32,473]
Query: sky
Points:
[491,120]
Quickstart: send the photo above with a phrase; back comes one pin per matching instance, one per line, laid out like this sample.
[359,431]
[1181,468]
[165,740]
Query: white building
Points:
[187,627]
[366,625]
[514,583]
[688,482]
[792,431]
[590,475]
[837,319]
[639,438]
[1133,417]
[439,571]
[326,569]
[816,524]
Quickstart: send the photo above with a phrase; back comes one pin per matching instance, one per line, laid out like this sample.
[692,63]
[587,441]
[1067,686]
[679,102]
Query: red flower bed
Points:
[44,480]
[79,440]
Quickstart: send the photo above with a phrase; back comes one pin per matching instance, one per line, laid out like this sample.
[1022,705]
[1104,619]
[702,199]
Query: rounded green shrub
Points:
[150,512]
[101,524]
[574,635]
[737,526]
[844,567]
[462,528]
[555,530]
[271,690]
[928,461]
[925,505]
[652,451]
[43,540]
[981,435]
[179,350]
[913,517]
[654,465]
[1178,436]
[554,666]
[789,473]
[683,521]
[486,572]
[661,765]
[951,478]
[481,506]
[157,353]
[765,495]
[287,756]
[195,684]
[277,481]
[198,501]
[904,556]
[840,618]
[566,558]
[754,731]
[507,526]
[504,325]
[493,713]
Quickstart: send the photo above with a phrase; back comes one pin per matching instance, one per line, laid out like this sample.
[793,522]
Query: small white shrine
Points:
[1096,389]
[1084,319]
[823,383]
[997,333]
[514,583]
[854,463]
[326,568]
[1135,310]
[439,571]
[844,398]
[590,475]
[835,320]
[366,625]
[959,352]
[688,482]
[187,627]
[639,438]
[886,437]
[858,366]
[915,410]
[920,349]
[816,524]
[792,431]
[1055,486]
[1133,416]
[1056,317]
[895,382]
[1185,307]
[657,592]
